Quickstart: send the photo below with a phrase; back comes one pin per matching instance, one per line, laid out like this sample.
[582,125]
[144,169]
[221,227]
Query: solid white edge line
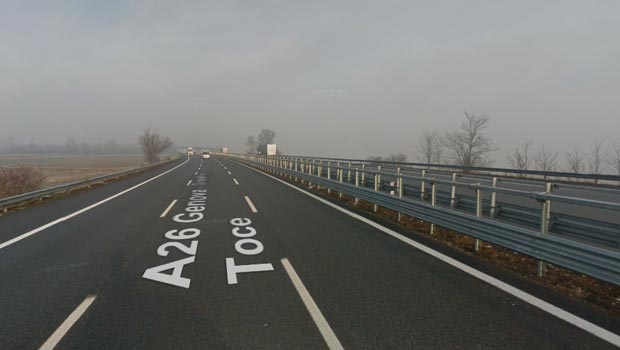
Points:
[168,209]
[518,293]
[76,213]
[236,182]
[250,204]
[326,331]
[189,183]
[57,336]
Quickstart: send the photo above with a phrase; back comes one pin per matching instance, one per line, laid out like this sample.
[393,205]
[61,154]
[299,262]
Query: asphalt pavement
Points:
[211,254]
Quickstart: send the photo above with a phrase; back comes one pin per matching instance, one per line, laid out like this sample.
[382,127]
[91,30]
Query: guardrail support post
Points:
[329,169]
[493,199]
[433,202]
[379,177]
[319,172]
[349,174]
[376,177]
[423,186]
[453,191]
[478,214]
[302,166]
[340,180]
[545,218]
[357,183]
[399,185]
[310,171]
[329,174]
[290,168]
[363,175]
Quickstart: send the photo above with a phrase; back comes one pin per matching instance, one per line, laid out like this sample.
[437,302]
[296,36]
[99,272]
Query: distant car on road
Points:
[206,155]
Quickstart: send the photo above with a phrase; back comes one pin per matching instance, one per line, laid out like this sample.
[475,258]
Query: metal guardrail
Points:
[589,230]
[8,202]
[466,169]
[597,261]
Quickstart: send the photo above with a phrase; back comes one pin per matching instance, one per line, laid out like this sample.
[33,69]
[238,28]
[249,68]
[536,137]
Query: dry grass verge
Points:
[62,169]
[20,178]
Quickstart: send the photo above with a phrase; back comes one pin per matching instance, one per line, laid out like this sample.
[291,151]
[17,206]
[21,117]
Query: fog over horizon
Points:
[331,78]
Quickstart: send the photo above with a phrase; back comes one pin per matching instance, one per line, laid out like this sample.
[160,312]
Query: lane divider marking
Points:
[562,314]
[189,183]
[251,205]
[57,336]
[168,209]
[236,182]
[76,213]
[326,331]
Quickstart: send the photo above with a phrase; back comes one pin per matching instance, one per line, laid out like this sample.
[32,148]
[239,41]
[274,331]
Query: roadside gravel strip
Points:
[83,210]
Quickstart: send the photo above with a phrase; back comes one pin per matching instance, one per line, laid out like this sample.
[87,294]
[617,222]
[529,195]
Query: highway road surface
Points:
[210,254]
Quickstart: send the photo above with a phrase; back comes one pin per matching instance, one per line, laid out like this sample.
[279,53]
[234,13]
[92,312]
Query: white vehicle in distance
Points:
[190,151]
[206,155]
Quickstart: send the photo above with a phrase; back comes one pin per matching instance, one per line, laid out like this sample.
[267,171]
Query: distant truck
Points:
[271,149]
[190,151]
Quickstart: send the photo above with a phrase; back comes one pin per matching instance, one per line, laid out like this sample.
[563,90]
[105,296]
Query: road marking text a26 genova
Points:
[245,246]
[193,213]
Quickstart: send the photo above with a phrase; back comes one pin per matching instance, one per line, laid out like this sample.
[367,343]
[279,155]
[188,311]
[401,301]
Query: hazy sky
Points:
[339,78]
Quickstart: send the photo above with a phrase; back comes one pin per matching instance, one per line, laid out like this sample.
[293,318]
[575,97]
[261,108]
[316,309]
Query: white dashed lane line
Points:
[250,204]
[56,337]
[326,331]
[236,182]
[168,209]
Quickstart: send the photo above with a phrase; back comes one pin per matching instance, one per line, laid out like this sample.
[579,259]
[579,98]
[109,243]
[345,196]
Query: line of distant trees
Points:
[470,145]
[603,156]
[71,146]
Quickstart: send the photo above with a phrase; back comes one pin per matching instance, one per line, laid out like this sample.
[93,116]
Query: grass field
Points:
[60,169]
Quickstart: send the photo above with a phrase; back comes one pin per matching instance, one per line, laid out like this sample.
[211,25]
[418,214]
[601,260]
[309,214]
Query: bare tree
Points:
[71,146]
[153,144]
[598,154]
[430,147]
[546,160]
[574,161]
[469,146]
[265,137]
[20,179]
[519,158]
[396,157]
[251,145]
[614,157]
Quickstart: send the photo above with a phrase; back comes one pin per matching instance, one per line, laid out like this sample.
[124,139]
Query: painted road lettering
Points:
[245,246]
[194,208]
[184,240]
